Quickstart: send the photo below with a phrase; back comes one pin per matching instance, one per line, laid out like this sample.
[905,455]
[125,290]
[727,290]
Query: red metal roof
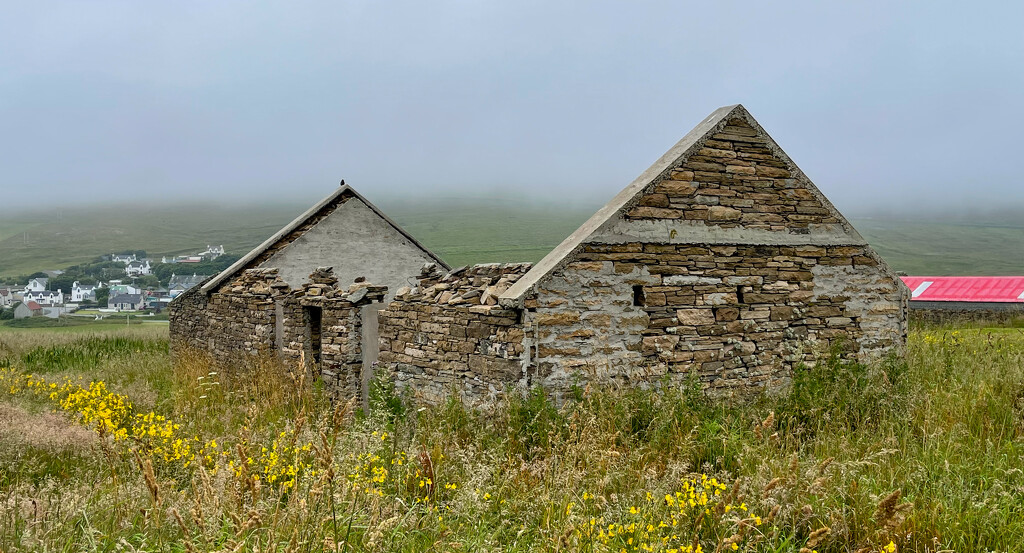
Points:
[1009,289]
[33,306]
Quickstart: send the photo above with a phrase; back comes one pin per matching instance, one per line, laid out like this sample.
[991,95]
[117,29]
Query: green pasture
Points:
[463,231]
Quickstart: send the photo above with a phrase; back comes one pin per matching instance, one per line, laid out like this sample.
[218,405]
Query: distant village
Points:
[127,282]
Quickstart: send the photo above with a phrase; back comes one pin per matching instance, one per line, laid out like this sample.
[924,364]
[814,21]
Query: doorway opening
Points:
[314,324]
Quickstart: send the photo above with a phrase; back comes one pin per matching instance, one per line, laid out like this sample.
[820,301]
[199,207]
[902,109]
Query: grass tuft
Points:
[921,454]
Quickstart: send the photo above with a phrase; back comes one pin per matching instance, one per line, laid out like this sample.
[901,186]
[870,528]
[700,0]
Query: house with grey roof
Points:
[37,284]
[137,268]
[83,292]
[44,297]
[179,284]
[125,302]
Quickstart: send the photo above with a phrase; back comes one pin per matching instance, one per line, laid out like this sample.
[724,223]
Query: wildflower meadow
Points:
[106,445]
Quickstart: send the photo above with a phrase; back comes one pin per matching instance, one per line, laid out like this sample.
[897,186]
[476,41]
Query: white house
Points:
[212,252]
[37,284]
[82,292]
[6,297]
[125,302]
[45,297]
[209,254]
[123,258]
[138,268]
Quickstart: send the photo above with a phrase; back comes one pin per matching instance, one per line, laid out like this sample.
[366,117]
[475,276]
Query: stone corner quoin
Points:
[721,261]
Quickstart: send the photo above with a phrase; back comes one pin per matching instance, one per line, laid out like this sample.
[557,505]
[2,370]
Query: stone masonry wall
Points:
[740,316]
[187,320]
[723,260]
[965,313]
[735,180]
[448,335]
[257,313]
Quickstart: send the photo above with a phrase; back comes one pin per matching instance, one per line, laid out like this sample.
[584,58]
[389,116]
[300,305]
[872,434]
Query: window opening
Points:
[638,295]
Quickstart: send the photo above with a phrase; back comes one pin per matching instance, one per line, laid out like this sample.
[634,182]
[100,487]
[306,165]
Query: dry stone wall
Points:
[736,180]
[728,263]
[965,313]
[256,313]
[741,317]
[721,261]
[449,335]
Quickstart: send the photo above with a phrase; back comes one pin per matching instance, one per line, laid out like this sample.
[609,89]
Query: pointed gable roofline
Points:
[324,206]
[629,196]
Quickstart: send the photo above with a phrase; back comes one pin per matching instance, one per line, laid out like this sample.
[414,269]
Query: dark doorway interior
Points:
[314,321]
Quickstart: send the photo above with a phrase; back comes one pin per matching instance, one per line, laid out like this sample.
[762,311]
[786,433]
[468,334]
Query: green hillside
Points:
[461,231]
[952,247]
[42,241]
[480,232]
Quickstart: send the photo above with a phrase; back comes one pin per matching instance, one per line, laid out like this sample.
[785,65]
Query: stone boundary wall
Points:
[740,316]
[449,335]
[950,313]
[187,321]
[256,313]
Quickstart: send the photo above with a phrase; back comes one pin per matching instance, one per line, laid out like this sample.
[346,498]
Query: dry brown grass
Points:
[926,455]
[44,431]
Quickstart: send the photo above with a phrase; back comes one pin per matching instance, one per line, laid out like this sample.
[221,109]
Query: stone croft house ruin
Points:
[284,297]
[722,260]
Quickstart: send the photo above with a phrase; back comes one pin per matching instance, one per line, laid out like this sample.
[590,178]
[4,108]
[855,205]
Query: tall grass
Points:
[921,454]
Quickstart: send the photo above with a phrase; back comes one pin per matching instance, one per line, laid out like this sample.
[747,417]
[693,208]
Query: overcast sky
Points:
[880,103]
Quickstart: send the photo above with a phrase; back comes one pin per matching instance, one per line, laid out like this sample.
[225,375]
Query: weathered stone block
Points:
[695,316]
[658,344]
[676,188]
[689,280]
[782,313]
[646,212]
[747,280]
[719,213]
[721,298]
[654,200]
[726,314]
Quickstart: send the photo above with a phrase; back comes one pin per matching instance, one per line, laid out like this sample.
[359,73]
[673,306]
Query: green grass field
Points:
[462,231]
[951,247]
[105,445]
[468,232]
[72,325]
[31,242]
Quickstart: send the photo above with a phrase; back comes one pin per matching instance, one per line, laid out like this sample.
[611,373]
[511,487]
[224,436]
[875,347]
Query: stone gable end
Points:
[735,180]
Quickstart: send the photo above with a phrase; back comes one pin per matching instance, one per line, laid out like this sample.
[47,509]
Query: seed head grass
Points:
[110,446]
